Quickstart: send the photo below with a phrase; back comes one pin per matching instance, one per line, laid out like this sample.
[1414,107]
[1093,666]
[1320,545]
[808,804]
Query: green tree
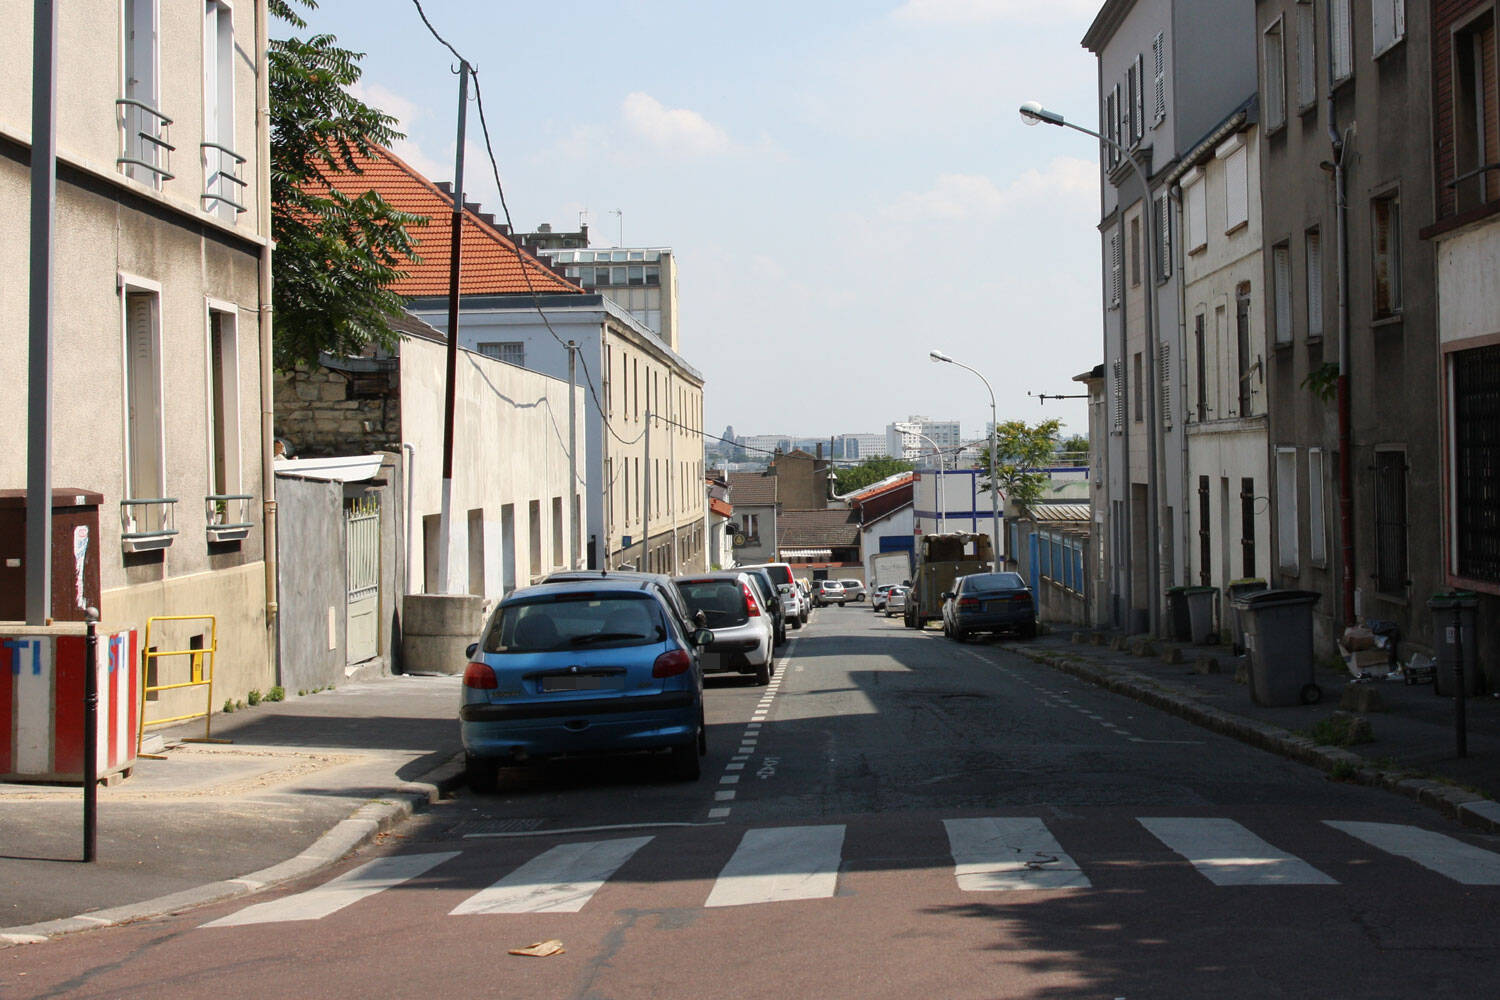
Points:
[871,470]
[336,255]
[1073,445]
[1022,453]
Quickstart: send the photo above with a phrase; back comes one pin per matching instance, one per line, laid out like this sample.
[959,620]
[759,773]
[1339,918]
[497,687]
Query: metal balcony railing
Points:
[145,142]
[227,516]
[147,523]
[221,177]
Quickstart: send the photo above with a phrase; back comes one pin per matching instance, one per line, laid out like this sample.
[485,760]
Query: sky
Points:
[846,184]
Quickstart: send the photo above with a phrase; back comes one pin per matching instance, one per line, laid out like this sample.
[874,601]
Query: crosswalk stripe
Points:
[334,895]
[1228,854]
[781,863]
[560,880]
[992,854]
[1463,863]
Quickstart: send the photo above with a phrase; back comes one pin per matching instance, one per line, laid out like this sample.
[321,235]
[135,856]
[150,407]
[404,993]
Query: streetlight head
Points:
[1033,113]
[939,356]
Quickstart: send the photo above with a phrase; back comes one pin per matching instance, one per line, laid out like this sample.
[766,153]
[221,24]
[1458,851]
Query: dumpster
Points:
[75,553]
[1278,637]
[1179,624]
[1450,635]
[1200,608]
[1236,590]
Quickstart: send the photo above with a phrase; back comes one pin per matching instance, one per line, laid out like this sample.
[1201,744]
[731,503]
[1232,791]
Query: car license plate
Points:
[580,682]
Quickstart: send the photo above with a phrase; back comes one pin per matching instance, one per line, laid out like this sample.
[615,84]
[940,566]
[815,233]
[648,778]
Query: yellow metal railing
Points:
[198,676]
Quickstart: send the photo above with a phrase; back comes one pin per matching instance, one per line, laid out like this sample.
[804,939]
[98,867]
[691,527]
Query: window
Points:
[1135,252]
[221,176]
[144,157]
[535,512]
[1135,76]
[511,352]
[1236,183]
[1273,87]
[223,403]
[1116,270]
[1287,524]
[1281,288]
[1385,234]
[1117,384]
[144,433]
[1340,42]
[1243,364]
[1313,245]
[1163,224]
[1474,378]
[1476,125]
[1202,381]
[1307,55]
[1390,522]
[1317,522]
[1205,529]
[1159,61]
[1112,125]
[1137,389]
[1247,526]
[1195,210]
[557,532]
[1387,24]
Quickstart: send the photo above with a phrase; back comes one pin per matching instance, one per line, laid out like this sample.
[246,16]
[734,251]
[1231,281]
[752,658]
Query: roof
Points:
[720,507]
[836,527]
[751,488]
[489,264]
[885,485]
[1054,512]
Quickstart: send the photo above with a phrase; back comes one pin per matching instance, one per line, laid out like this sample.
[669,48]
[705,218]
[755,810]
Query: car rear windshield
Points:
[721,601]
[580,621]
[994,581]
[851,583]
[779,574]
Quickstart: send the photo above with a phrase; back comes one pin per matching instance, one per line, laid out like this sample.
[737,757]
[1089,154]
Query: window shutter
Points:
[1118,387]
[1116,269]
[1340,54]
[1138,100]
[1307,55]
[1159,61]
[1164,381]
[1273,53]
[1314,284]
[1164,238]
[1281,260]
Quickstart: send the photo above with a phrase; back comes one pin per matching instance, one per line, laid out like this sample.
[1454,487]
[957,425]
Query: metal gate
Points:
[362,577]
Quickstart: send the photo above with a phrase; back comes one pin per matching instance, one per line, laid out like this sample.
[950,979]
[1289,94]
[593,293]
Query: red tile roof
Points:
[488,262]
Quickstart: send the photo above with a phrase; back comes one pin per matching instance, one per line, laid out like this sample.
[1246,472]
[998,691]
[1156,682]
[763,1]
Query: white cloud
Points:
[967,197]
[985,11]
[673,129]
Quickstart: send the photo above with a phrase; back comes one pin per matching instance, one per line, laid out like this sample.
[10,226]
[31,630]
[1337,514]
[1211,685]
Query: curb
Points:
[1465,807]
[348,835]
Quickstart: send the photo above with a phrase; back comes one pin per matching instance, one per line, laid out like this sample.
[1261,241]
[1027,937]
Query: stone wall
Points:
[321,412]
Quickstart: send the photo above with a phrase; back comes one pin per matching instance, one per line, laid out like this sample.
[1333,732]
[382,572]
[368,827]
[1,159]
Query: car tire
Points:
[686,762]
[763,674]
[1028,631]
[796,622]
[960,635]
[482,774]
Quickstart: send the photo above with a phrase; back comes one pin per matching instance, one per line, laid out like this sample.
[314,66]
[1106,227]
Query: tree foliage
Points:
[871,470]
[336,255]
[1073,444]
[1022,454]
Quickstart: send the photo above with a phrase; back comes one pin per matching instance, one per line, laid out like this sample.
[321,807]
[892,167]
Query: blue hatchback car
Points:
[582,667]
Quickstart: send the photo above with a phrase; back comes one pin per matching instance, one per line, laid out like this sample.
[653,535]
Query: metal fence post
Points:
[90,734]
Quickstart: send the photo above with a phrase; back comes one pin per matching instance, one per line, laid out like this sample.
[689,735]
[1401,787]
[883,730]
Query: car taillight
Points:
[751,608]
[969,602]
[1023,597]
[480,676]
[672,663]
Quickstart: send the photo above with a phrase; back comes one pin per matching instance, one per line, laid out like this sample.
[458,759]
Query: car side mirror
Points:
[471,649]
[702,637]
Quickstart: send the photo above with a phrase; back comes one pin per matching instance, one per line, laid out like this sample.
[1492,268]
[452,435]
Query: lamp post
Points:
[942,507]
[994,427]
[1034,113]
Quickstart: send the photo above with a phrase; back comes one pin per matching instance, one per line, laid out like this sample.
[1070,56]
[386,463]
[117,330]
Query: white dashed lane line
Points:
[751,738]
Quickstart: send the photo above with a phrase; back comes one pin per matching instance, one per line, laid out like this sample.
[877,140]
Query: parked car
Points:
[828,592]
[582,667]
[878,596]
[854,591]
[769,598]
[744,634]
[895,600]
[989,602]
[786,585]
[660,583]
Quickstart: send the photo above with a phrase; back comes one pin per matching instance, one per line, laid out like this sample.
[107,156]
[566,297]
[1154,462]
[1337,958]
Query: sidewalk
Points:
[307,779]
[1412,750]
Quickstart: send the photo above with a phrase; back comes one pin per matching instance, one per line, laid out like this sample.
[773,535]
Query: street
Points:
[896,815]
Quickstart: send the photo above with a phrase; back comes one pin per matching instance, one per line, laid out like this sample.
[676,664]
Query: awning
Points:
[342,469]
[806,553]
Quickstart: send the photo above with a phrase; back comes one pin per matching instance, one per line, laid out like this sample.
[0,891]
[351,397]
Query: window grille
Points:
[1390,522]
[1476,462]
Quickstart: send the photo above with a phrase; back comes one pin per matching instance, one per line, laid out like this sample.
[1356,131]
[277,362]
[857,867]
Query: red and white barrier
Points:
[42,674]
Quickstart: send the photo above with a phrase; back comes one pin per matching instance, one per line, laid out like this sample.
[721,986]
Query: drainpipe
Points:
[267,393]
[1174,208]
[1346,459]
[410,474]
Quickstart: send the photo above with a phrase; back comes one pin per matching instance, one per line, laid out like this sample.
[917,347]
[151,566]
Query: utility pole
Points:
[645,566]
[39,359]
[572,455]
[445,518]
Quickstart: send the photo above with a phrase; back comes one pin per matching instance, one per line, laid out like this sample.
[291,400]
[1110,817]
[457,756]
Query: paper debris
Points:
[542,949]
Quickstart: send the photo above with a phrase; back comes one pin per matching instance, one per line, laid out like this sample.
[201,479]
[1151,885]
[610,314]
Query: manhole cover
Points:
[489,827]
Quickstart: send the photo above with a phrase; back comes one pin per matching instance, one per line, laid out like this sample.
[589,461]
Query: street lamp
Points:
[994,426]
[942,507]
[1033,113]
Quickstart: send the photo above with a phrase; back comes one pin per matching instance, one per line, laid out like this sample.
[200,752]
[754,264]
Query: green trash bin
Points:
[1464,604]
[1279,638]
[1200,607]
[1179,622]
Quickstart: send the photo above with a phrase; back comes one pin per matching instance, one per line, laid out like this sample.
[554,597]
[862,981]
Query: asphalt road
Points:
[898,815]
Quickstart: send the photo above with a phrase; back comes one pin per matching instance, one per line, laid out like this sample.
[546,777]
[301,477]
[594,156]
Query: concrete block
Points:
[436,628]
[1242,671]
[1362,698]
[1206,664]
[1172,654]
[1142,647]
[1101,638]
[1079,638]
[1120,644]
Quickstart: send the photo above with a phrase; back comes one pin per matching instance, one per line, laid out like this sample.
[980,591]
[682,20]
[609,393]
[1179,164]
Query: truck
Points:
[888,568]
[941,560]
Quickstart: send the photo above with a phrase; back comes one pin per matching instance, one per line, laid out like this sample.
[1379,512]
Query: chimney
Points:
[446,187]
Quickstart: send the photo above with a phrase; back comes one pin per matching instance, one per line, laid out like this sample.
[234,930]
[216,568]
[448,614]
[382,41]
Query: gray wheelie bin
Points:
[1278,636]
[1179,622]
[1236,590]
[1450,635]
[1200,606]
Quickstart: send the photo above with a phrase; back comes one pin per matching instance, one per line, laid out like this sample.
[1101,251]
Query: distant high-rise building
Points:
[904,437]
